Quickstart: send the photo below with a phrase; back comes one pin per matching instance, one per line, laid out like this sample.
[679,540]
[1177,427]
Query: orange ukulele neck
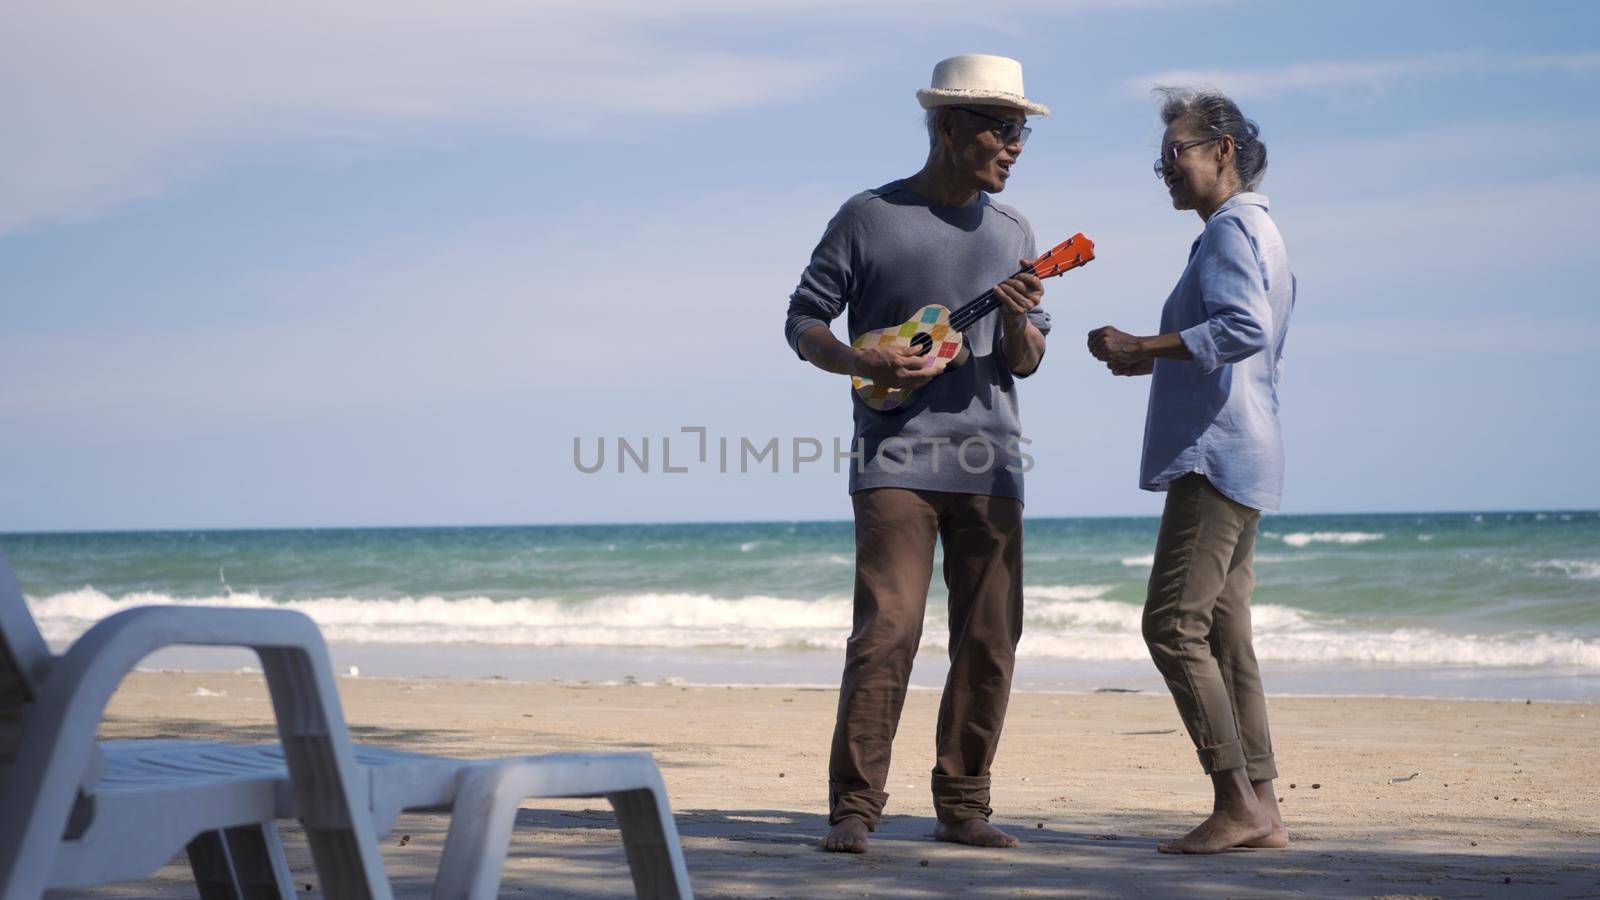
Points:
[1069,254]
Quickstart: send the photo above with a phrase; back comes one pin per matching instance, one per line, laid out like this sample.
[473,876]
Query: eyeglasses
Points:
[1169,154]
[1009,133]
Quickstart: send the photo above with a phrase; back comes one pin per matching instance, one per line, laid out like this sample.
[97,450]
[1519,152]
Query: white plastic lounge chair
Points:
[75,811]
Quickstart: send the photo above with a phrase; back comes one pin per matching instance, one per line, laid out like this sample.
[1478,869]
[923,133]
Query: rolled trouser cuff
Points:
[1222,757]
[1261,768]
[845,802]
[957,798]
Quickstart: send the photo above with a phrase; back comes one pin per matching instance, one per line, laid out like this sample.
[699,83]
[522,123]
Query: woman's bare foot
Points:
[1223,830]
[849,836]
[976,832]
[1279,838]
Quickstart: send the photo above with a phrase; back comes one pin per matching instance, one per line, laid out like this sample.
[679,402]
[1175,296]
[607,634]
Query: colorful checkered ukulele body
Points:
[936,332]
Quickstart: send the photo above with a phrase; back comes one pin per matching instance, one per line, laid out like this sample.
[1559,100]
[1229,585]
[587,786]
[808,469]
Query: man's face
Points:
[979,146]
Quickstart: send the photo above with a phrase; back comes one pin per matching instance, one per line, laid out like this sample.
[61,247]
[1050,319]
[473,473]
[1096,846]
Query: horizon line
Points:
[692,522]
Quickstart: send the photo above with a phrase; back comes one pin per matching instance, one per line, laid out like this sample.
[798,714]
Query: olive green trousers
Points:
[1197,626]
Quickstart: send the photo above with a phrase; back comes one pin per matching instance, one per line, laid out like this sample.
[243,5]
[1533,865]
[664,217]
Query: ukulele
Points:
[936,333]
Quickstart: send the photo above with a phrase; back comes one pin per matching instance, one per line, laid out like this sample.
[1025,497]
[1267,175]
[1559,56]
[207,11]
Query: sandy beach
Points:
[1384,797]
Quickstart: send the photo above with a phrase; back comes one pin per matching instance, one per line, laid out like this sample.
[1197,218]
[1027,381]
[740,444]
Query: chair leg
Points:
[485,809]
[213,871]
[650,837]
[480,834]
[258,861]
[242,863]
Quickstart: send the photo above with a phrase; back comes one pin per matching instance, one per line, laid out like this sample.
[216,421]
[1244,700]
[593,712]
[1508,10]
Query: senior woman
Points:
[1212,443]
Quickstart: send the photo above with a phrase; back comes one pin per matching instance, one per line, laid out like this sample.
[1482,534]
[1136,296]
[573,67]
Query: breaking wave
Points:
[1302,538]
[1063,622]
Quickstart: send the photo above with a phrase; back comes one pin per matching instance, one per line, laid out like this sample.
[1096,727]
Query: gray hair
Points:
[1212,111]
[931,120]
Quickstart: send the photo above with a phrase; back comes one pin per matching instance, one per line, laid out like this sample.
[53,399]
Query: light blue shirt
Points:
[1218,415]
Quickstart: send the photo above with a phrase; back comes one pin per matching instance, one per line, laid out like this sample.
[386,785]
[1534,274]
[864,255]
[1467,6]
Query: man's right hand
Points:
[897,366]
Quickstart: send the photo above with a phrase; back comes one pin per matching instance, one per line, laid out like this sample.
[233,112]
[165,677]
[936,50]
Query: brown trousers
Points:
[895,534]
[1197,625]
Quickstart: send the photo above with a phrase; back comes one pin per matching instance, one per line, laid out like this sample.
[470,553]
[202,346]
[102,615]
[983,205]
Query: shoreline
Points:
[821,668]
[1395,796]
[667,684]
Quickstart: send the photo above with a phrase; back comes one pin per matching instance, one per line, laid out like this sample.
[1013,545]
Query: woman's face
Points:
[1202,169]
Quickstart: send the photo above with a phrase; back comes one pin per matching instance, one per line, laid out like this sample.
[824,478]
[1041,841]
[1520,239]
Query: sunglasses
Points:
[1008,132]
[1169,153]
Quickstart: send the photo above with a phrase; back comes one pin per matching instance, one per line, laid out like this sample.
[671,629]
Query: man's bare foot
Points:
[1279,837]
[1223,831]
[976,832]
[849,836]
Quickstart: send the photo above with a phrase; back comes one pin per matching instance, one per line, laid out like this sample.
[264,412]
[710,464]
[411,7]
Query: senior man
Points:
[935,237]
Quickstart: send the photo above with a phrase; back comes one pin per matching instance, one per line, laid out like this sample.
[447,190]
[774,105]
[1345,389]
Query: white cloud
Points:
[103,104]
[1369,75]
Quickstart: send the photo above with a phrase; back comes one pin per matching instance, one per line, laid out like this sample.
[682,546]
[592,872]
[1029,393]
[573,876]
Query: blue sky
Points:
[291,266]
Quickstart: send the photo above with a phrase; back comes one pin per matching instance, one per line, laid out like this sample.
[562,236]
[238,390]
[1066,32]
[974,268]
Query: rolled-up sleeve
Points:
[1036,316]
[1030,250]
[827,283]
[1040,320]
[1238,317]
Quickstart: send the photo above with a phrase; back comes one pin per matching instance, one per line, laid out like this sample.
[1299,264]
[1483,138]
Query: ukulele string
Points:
[970,314]
[966,316]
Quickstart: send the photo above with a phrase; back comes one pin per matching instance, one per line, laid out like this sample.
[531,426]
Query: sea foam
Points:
[1581,569]
[1302,538]
[1063,622]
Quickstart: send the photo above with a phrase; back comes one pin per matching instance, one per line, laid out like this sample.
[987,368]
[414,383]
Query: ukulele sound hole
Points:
[922,343]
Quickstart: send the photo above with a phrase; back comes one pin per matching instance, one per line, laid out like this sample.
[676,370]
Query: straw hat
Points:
[978,78]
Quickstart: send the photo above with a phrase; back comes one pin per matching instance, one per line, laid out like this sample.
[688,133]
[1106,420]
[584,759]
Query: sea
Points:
[1494,605]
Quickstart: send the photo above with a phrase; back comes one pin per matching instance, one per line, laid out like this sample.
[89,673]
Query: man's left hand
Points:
[1018,294]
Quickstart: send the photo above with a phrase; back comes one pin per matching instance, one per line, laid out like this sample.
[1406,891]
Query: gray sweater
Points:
[887,253]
